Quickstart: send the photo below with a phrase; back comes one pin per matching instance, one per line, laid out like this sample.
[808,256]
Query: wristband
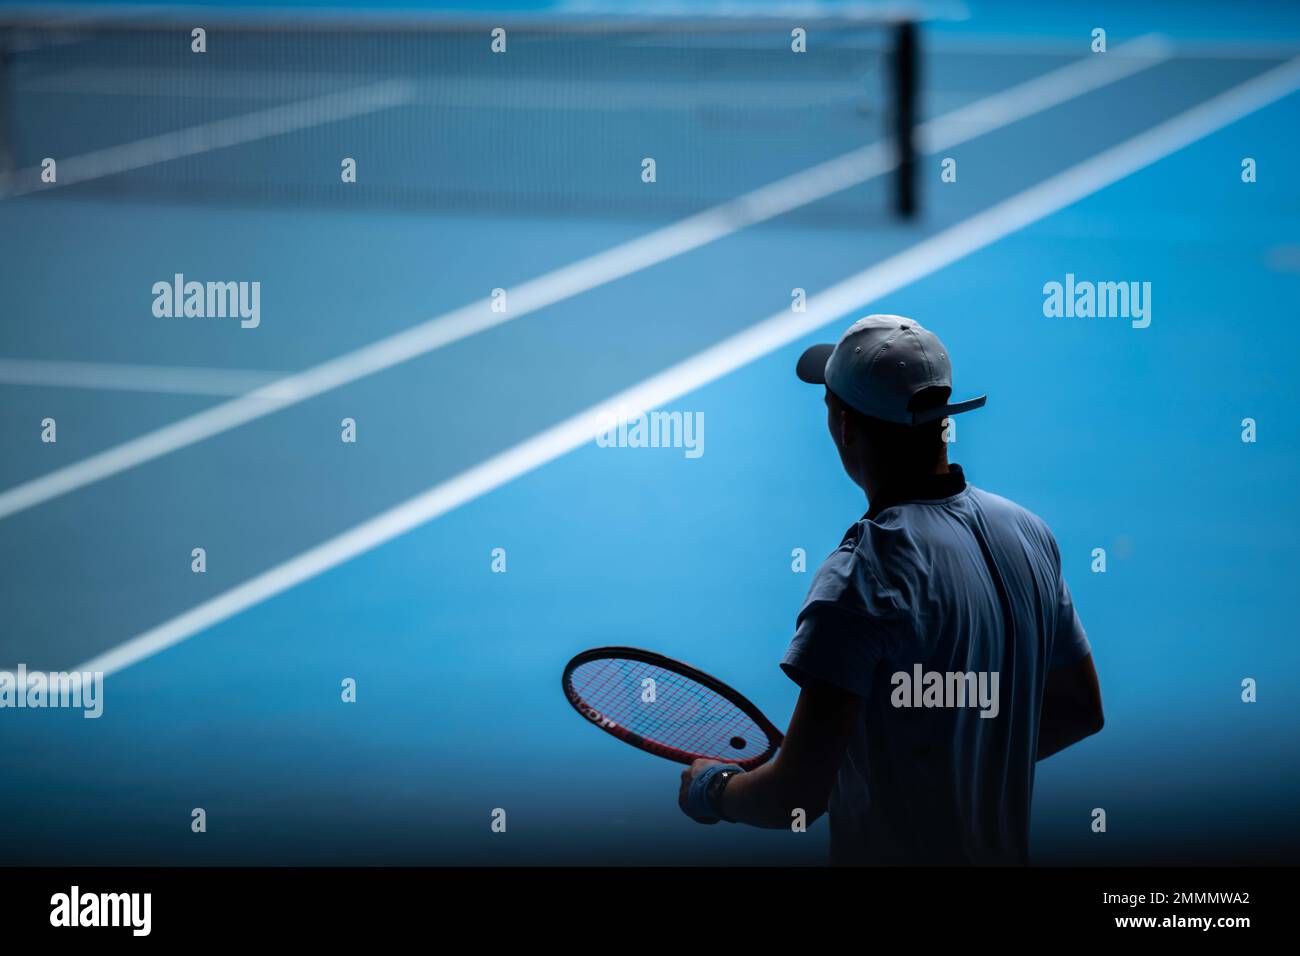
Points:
[702,801]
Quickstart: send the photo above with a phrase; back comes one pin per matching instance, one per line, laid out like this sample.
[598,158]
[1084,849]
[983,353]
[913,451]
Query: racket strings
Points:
[682,714]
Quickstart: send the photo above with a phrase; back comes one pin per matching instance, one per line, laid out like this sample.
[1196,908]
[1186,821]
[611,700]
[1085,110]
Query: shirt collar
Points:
[921,488]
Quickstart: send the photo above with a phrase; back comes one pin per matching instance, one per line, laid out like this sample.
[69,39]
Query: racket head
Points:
[694,715]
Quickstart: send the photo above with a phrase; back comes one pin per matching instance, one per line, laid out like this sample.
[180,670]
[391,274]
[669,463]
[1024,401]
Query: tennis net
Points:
[563,120]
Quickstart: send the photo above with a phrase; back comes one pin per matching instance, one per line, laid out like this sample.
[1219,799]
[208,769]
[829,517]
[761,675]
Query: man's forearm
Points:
[1071,707]
[764,798]
[1055,736]
[801,776]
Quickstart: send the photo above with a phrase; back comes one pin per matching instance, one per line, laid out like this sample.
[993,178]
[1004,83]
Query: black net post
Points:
[904,71]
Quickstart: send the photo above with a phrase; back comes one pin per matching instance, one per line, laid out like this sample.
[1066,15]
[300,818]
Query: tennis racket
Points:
[689,715]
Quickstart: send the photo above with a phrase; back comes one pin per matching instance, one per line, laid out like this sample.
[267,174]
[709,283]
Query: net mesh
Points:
[563,121]
[686,719]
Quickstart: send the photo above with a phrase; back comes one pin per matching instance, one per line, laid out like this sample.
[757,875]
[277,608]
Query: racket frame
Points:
[774,737]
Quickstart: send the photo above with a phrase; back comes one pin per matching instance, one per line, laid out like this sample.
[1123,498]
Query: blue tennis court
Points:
[473,329]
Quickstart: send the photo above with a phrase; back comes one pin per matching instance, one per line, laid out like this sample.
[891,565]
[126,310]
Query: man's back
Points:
[944,613]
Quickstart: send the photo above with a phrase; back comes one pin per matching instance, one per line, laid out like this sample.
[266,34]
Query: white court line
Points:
[175,380]
[235,85]
[218,134]
[992,44]
[777,331]
[605,95]
[1028,99]
[784,195]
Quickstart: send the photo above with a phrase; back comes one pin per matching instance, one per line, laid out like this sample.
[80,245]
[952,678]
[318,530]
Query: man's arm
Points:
[804,770]
[1071,707]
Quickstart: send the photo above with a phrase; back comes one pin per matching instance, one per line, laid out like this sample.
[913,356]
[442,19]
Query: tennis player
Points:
[938,652]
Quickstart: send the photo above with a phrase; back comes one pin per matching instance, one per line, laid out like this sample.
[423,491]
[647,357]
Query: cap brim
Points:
[812,364]
[929,415]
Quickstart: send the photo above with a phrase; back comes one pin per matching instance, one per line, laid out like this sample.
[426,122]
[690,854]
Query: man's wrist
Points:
[704,797]
[717,786]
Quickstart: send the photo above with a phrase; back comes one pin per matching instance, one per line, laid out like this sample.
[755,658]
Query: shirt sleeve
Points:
[834,647]
[842,631]
[1071,641]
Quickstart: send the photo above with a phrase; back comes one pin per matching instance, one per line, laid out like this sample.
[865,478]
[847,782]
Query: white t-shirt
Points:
[938,601]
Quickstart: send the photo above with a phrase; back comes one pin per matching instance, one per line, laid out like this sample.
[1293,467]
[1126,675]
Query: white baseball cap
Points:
[879,366]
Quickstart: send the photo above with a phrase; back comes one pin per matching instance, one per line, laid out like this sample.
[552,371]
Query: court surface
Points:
[373,560]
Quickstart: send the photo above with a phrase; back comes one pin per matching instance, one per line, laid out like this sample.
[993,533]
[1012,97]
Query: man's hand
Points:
[688,776]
